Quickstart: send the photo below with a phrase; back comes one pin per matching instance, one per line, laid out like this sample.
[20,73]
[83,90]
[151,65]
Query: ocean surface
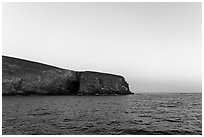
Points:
[148,114]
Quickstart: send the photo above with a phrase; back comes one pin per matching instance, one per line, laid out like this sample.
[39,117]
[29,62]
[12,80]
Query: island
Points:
[23,77]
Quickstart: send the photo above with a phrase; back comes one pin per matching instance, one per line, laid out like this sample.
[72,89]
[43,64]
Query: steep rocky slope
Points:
[27,77]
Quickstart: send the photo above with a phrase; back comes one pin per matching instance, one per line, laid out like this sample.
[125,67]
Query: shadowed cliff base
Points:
[22,77]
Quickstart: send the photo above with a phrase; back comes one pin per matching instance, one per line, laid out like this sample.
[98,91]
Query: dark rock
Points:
[27,77]
[95,83]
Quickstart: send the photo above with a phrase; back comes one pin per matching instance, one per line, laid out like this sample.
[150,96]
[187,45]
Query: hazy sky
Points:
[157,47]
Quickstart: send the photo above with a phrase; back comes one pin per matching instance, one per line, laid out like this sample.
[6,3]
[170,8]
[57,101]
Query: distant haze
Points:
[157,47]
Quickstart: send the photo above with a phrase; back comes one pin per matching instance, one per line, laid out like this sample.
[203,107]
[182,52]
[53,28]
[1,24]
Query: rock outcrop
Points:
[27,77]
[102,84]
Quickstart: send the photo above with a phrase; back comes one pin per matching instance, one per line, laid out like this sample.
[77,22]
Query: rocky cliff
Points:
[102,83]
[27,77]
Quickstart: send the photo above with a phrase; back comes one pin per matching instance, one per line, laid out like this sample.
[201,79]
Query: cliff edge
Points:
[22,77]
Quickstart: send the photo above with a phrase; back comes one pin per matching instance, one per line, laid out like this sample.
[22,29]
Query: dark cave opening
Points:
[73,87]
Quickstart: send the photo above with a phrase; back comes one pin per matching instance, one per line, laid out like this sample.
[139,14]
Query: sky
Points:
[157,47]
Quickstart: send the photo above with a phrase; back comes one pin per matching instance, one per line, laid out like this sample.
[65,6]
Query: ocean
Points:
[138,114]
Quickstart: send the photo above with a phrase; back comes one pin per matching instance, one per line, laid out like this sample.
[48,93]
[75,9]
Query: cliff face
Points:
[101,83]
[26,77]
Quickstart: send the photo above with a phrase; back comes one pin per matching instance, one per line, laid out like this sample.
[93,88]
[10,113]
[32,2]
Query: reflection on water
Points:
[130,114]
